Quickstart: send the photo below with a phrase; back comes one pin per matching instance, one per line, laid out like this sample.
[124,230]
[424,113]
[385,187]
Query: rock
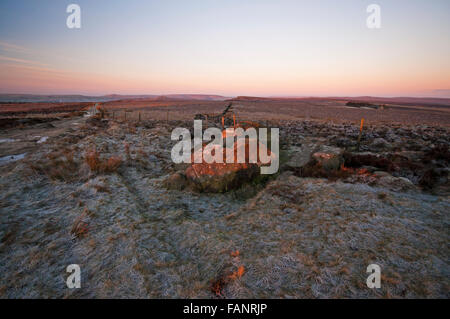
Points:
[396,183]
[393,138]
[410,155]
[298,156]
[368,168]
[381,173]
[220,177]
[330,158]
[379,143]
[176,181]
[369,159]
[345,142]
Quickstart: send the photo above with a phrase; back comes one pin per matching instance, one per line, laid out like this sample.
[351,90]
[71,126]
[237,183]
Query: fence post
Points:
[360,132]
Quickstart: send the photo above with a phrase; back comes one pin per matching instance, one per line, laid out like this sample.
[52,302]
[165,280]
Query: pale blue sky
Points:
[253,47]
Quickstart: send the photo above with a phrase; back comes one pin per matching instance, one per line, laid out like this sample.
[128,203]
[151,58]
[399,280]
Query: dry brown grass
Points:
[99,165]
[80,226]
[62,166]
[58,165]
[102,188]
[127,150]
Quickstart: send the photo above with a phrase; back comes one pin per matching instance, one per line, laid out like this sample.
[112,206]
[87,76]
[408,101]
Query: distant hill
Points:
[429,101]
[207,97]
[425,101]
[21,98]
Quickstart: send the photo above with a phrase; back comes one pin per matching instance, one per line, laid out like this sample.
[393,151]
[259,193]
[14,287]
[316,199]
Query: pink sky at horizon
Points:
[228,52]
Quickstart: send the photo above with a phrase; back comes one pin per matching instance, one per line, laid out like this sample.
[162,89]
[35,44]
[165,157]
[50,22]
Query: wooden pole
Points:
[360,132]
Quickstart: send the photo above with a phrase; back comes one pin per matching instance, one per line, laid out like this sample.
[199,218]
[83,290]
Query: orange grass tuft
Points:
[238,273]
[93,160]
[96,164]
[235,253]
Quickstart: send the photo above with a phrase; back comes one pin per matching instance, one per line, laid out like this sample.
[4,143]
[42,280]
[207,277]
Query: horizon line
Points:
[230,96]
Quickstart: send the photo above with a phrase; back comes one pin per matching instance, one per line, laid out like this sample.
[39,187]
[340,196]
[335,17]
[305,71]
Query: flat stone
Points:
[329,157]
[299,156]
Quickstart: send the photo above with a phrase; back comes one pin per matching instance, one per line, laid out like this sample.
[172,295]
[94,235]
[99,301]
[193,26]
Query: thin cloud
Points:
[5,46]
[32,67]
[14,49]
[446,91]
[22,61]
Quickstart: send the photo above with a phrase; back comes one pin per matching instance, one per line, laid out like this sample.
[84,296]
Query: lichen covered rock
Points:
[222,177]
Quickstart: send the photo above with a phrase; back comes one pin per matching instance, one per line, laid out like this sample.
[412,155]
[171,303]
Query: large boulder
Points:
[329,157]
[299,156]
[222,177]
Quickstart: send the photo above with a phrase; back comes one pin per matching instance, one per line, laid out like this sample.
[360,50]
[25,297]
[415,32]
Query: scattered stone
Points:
[379,143]
[345,142]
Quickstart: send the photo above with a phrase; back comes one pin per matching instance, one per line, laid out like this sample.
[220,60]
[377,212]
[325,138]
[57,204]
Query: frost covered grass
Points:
[95,196]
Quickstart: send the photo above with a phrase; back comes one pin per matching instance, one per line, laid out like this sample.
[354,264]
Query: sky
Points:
[226,47]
